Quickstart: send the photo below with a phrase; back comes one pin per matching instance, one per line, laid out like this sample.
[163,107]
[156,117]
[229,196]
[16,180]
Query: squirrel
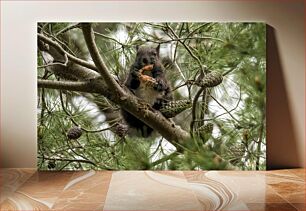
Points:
[156,95]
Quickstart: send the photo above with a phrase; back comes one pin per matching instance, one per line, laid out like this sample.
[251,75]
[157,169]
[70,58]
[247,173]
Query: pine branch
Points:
[64,30]
[70,160]
[100,64]
[227,111]
[62,51]
[165,158]
[174,134]
[66,85]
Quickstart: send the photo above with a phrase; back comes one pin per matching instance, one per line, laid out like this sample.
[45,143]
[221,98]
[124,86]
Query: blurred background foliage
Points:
[234,110]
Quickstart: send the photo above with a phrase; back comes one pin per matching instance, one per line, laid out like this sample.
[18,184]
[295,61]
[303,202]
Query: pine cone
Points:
[121,129]
[51,164]
[172,108]
[74,133]
[208,128]
[205,131]
[236,152]
[212,79]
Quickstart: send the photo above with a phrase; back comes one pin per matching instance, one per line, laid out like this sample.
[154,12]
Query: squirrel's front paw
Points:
[135,74]
[148,81]
[160,85]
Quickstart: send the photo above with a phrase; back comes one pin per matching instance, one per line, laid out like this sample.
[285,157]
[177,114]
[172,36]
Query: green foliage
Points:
[234,109]
[136,154]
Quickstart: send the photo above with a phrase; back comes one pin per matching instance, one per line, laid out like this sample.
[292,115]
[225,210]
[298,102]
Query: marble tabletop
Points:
[29,189]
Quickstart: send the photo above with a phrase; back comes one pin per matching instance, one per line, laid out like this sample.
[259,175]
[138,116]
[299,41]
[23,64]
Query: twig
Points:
[44,26]
[194,106]
[57,151]
[165,158]
[71,57]
[109,38]
[77,124]
[188,82]
[183,39]
[51,64]
[43,101]
[60,42]
[71,147]
[94,52]
[175,53]
[155,25]
[224,108]
[196,29]
[186,47]
[204,104]
[71,160]
[65,165]
[56,63]
[67,29]
[158,146]
[229,71]
[100,130]
[223,113]
[66,85]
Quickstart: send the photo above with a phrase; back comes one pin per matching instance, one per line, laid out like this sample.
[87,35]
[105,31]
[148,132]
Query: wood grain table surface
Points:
[29,189]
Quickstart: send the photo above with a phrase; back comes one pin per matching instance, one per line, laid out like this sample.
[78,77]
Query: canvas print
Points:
[151,96]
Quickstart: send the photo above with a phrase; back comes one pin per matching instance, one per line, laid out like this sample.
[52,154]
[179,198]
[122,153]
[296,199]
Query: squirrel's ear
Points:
[137,47]
[157,49]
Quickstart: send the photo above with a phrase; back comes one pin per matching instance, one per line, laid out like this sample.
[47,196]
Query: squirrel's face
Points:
[147,55]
